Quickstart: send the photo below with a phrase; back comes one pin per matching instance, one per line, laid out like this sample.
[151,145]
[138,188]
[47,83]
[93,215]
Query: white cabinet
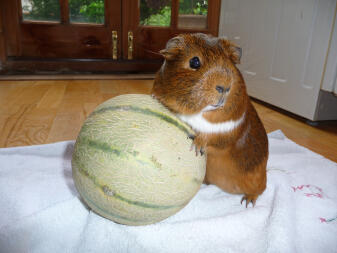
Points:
[285,45]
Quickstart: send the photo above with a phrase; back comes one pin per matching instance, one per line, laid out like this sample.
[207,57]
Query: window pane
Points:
[46,10]
[155,13]
[86,11]
[193,14]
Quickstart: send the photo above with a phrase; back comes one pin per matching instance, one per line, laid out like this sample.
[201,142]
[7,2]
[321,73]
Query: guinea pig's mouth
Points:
[220,103]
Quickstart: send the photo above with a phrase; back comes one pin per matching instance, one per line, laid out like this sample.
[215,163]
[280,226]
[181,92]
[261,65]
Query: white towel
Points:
[40,210]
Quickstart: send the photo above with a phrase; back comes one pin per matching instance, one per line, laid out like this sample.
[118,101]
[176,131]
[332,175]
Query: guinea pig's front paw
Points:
[198,144]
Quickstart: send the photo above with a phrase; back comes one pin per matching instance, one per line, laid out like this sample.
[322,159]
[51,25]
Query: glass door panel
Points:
[86,11]
[155,13]
[41,10]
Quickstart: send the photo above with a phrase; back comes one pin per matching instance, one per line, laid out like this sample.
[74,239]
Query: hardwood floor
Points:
[39,112]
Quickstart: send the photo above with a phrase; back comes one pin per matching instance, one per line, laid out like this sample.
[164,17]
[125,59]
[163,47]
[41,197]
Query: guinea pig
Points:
[200,83]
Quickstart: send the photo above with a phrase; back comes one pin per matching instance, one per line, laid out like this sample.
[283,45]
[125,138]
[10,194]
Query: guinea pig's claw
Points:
[196,145]
[249,199]
[200,150]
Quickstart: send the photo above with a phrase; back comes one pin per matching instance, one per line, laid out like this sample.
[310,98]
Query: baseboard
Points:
[78,77]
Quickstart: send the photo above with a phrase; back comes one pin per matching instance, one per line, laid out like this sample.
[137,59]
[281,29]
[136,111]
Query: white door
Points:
[285,44]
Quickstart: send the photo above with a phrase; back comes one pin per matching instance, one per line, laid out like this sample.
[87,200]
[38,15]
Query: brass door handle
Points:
[130,45]
[114,45]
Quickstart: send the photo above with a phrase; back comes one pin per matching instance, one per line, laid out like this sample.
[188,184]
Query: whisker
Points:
[152,52]
[143,47]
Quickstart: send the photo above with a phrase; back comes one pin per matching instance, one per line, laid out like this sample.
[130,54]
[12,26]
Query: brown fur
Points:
[236,160]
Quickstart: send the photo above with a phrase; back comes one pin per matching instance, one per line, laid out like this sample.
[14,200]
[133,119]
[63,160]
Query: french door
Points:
[98,35]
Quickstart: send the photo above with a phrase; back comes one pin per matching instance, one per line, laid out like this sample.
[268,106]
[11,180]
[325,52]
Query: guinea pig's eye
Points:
[195,63]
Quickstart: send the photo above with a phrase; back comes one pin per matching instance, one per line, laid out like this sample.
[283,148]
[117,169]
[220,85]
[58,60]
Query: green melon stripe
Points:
[105,147]
[100,145]
[145,111]
[109,192]
[108,212]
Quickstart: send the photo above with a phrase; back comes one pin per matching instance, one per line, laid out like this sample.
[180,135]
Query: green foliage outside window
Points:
[154,17]
[158,13]
[80,10]
[196,7]
[152,12]
[87,11]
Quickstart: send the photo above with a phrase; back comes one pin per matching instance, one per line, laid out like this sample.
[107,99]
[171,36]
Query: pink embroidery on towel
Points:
[323,220]
[310,190]
[318,195]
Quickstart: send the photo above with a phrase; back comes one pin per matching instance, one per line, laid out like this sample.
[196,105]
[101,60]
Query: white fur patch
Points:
[200,124]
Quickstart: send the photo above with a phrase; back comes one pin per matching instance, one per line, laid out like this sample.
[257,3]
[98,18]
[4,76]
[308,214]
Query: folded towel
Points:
[40,209]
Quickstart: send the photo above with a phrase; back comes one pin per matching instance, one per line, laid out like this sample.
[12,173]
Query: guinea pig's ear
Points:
[234,52]
[173,47]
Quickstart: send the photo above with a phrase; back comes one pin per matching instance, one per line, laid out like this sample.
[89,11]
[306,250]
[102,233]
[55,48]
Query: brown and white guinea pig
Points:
[200,83]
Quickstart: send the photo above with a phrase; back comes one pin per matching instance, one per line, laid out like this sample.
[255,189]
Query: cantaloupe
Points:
[132,161]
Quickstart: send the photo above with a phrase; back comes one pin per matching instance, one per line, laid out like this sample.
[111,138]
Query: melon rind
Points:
[132,161]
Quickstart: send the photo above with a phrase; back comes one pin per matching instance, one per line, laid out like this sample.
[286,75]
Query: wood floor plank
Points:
[52,97]
[24,128]
[66,126]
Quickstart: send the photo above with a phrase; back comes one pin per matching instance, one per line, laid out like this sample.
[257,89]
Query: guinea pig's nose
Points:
[220,89]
